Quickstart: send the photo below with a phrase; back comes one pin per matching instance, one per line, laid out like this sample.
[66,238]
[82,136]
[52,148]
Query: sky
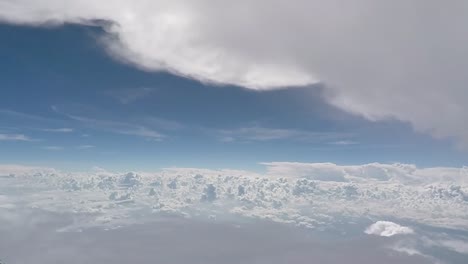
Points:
[249,131]
[67,103]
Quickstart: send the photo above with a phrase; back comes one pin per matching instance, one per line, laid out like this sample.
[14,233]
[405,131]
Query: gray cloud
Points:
[177,240]
[380,59]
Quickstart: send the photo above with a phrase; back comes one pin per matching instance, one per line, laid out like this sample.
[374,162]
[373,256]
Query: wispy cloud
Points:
[119,127]
[14,137]
[163,123]
[85,147]
[26,121]
[55,148]
[344,142]
[130,95]
[58,130]
[259,133]
[23,116]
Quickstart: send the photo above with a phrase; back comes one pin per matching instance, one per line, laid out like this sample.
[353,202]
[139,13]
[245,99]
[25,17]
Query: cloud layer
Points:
[380,59]
[306,200]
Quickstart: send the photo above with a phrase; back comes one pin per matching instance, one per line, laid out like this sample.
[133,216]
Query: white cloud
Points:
[14,137]
[313,171]
[380,59]
[387,229]
[14,169]
[315,201]
[401,173]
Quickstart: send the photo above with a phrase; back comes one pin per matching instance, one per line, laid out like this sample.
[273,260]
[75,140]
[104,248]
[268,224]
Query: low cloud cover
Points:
[406,217]
[318,198]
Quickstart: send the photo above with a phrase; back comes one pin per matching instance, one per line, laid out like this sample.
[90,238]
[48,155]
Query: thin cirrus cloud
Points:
[344,142]
[53,148]
[112,126]
[120,127]
[260,133]
[82,147]
[58,130]
[14,137]
[130,95]
[371,63]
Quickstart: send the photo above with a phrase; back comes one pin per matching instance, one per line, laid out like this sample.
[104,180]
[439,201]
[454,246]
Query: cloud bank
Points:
[380,59]
[388,229]
[114,199]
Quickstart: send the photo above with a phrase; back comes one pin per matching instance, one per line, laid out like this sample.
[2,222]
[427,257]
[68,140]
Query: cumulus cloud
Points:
[14,169]
[315,171]
[115,199]
[379,59]
[387,229]
[397,172]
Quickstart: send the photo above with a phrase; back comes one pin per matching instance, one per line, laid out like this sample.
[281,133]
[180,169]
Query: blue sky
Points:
[333,121]
[65,102]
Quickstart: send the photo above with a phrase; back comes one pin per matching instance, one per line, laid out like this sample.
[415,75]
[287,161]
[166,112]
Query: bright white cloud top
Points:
[437,197]
[387,229]
[381,59]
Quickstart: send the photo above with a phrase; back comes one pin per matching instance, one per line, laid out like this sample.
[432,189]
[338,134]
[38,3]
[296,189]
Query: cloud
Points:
[176,240]
[119,127]
[55,148]
[313,171]
[130,95]
[401,173]
[15,169]
[59,130]
[344,142]
[459,246]
[371,63]
[85,147]
[259,133]
[387,229]
[310,201]
[452,244]
[14,137]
